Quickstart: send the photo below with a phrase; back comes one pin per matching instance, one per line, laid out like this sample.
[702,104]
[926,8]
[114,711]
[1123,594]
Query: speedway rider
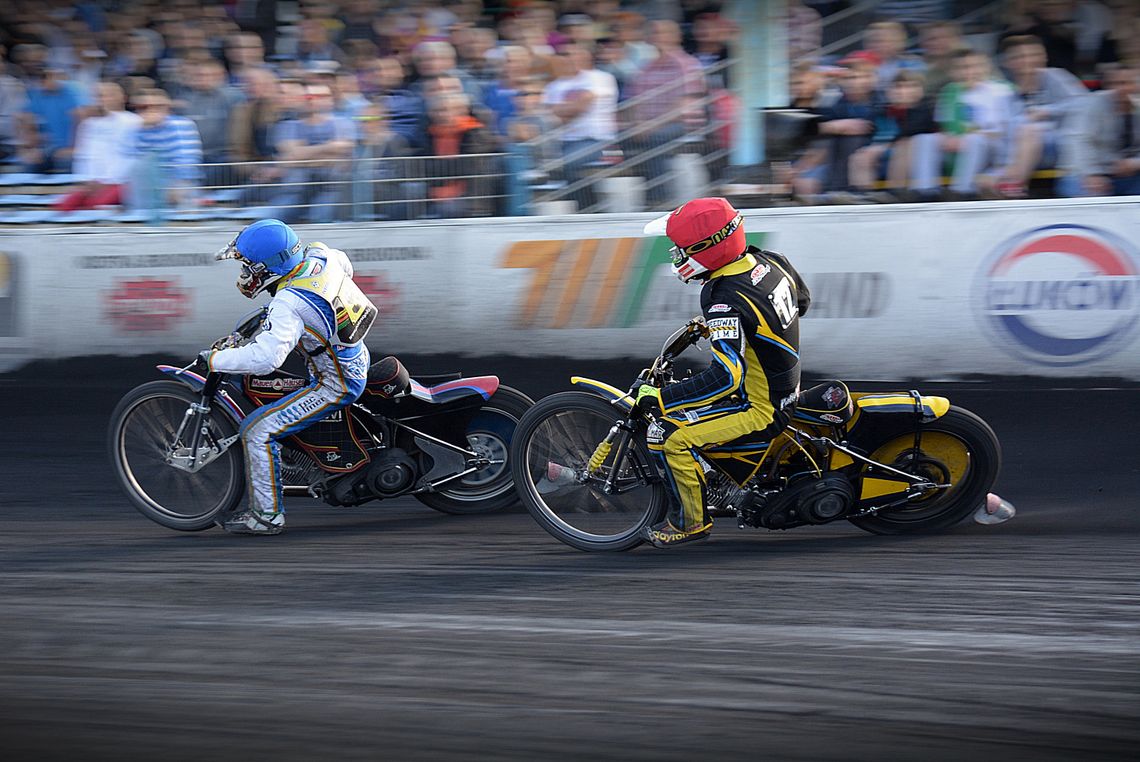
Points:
[315,304]
[751,302]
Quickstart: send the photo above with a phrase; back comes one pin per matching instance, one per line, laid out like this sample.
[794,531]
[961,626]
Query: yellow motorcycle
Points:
[891,463]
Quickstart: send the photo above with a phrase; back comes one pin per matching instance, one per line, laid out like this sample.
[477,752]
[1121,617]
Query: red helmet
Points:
[708,233]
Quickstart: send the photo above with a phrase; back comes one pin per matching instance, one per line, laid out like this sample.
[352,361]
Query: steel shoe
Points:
[665,535]
[253,522]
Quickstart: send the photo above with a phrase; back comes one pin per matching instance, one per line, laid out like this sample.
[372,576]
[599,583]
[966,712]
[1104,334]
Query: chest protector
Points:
[352,310]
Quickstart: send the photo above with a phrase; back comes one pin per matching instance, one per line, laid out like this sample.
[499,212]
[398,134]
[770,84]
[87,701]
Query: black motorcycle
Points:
[889,463]
[444,440]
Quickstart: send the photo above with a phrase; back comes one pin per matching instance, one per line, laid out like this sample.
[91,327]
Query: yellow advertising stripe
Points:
[607,296]
[541,257]
[587,251]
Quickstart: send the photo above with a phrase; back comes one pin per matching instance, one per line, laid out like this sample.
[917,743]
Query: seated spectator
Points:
[104,152]
[585,100]
[887,41]
[436,58]
[209,103]
[380,189]
[315,43]
[244,51]
[939,40]
[310,191]
[347,99]
[975,115]
[1121,41]
[905,116]
[475,51]
[849,124]
[169,155]
[914,12]
[807,171]
[673,85]
[1052,23]
[455,137]
[1101,155]
[49,121]
[1049,98]
[382,80]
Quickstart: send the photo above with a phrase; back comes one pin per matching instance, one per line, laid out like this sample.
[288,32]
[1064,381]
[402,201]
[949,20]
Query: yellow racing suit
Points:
[752,306]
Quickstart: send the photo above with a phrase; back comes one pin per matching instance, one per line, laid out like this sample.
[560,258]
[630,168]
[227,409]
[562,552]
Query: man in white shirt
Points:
[104,144]
[585,99]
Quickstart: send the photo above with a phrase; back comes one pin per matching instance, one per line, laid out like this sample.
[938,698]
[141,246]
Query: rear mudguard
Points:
[195,382]
[612,394]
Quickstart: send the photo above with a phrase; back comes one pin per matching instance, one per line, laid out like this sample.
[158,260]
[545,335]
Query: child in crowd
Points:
[905,115]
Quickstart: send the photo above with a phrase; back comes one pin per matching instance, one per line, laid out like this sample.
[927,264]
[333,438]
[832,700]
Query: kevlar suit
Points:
[752,307]
[312,307]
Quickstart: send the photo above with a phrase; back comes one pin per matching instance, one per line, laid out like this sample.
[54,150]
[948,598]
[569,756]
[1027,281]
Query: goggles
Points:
[252,275]
[678,254]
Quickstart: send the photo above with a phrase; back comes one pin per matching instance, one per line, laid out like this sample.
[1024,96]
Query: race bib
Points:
[783,302]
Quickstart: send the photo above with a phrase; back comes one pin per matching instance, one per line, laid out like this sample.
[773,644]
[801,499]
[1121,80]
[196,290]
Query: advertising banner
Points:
[1044,288]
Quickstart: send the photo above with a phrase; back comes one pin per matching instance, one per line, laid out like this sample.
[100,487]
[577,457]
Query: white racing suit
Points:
[297,313]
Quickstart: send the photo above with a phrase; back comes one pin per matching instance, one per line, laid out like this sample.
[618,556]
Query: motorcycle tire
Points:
[578,513]
[491,432]
[957,442]
[142,427]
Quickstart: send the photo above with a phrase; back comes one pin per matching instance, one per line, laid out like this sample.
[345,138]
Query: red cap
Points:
[861,56]
[707,219]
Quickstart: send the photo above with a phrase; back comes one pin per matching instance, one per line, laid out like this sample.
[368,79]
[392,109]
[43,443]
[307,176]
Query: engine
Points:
[805,500]
[391,472]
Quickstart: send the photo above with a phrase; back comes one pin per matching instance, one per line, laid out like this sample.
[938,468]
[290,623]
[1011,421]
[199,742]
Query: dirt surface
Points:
[392,631]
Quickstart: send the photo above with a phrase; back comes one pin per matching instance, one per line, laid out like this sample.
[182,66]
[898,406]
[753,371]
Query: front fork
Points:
[204,448]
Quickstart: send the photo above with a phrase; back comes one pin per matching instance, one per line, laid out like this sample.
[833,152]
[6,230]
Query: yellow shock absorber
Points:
[601,452]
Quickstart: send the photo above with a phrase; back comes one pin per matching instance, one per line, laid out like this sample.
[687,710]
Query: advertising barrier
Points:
[1046,288]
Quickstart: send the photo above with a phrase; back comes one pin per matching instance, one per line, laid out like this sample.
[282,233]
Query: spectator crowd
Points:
[392,109]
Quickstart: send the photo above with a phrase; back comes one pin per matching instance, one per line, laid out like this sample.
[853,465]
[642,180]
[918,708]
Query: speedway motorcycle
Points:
[443,440]
[888,463]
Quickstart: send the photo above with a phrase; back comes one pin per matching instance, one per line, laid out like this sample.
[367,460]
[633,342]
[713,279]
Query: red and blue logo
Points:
[1062,295]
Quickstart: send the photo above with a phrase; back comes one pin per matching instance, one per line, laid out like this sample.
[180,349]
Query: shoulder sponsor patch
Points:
[719,308]
[758,273]
[724,328]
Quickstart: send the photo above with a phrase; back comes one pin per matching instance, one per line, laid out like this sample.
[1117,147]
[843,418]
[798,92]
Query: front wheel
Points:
[142,439]
[489,434]
[549,457]
[959,449]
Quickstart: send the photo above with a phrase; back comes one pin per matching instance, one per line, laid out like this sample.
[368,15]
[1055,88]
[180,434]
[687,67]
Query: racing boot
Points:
[254,522]
[665,535]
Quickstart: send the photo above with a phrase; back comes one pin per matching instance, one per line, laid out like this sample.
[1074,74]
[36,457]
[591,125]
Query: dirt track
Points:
[395,632]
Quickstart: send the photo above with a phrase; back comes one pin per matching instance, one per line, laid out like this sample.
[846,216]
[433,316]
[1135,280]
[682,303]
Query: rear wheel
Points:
[959,449]
[552,447]
[490,432]
[141,440]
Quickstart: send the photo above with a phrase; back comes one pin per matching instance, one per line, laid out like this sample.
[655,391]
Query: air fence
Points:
[1037,288]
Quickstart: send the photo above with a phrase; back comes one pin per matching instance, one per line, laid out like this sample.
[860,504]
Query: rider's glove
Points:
[649,398]
[204,359]
[699,327]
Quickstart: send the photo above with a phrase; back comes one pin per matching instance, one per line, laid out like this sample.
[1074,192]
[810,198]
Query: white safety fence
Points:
[1040,288]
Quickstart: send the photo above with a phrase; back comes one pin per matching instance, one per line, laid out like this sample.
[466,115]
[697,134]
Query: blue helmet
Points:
[271,243]
[265,249]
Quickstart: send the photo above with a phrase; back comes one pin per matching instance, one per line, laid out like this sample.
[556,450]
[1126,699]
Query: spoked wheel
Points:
[145,450]
[959,449]
[490,432]
[552,447]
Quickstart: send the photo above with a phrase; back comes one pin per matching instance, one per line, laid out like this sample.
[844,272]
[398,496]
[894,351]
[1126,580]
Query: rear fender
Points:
[196,382]
[933,408]
[611,394]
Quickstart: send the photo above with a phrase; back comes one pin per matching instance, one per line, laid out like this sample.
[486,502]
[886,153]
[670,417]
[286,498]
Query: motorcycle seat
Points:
[388,378]
[829,402]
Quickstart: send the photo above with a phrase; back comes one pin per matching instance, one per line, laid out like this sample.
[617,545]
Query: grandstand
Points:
[144,112]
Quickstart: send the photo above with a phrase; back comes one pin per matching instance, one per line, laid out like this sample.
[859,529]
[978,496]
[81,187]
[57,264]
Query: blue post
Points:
[760,78]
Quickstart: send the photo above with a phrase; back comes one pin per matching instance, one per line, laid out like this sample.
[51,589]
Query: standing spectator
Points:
[585,100]
[712,34]
[500,96]
[378,191]
[611,58]
[887,41]
[347,99]
[436,58]
[1050,98]
[629,28]
[529,145]
[476,52]
[209,103]
[252,126]
[169,154]
[382,80]
[674,84]
[244,51]
[455,137]
[13,102]
[1101,156]
[939,40]
[322,141]
[805,32]
[104,152]
[1051,22]
[49,121]
[905,116]
[848,124]
[315,44]
[975,115]
[806,172]
[359,22]
[914,12]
